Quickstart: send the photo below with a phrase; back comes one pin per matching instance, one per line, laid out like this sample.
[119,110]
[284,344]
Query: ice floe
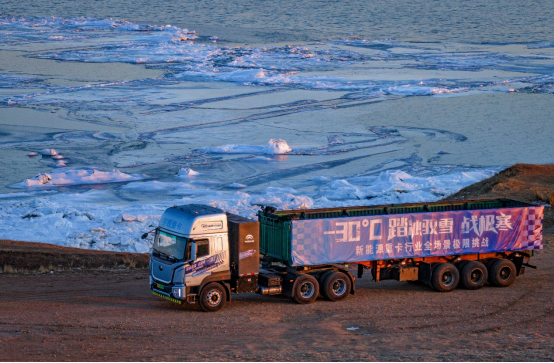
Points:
[49,152]
[273,147]
[67,177]
[187,172]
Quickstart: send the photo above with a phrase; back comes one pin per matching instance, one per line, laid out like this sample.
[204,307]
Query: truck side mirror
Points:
[193,251]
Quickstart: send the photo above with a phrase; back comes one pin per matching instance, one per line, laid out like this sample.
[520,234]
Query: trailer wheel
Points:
[473,275]
[212,297]
[445,277]
[502,273]
[336,286]
[305,289]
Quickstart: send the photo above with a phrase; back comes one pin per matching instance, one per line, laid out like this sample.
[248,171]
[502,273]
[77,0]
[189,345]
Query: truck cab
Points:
[192,260]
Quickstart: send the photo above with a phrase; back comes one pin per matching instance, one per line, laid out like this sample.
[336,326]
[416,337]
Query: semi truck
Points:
[203,255]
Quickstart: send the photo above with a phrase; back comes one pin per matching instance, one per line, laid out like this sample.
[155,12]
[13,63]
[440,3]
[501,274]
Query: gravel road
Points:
[111,316]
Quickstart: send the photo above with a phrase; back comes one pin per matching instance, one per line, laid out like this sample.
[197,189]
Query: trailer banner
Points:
[396,236]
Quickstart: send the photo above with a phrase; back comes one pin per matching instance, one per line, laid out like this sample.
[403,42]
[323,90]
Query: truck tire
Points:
[460,266]
[321,279]
[336,286]
[489,268]
[305,289]
[473,275]
[445,277]
[502,273]
[212,297]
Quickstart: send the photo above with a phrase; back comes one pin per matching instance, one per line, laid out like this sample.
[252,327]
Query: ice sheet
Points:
[365,122]
[175,50]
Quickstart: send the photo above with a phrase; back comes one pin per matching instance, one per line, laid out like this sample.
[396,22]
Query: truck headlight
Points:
[178,292]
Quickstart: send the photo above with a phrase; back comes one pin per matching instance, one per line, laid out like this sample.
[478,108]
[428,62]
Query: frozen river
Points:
[128,117]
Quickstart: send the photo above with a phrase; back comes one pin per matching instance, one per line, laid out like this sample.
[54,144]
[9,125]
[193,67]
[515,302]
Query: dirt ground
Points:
[109,314]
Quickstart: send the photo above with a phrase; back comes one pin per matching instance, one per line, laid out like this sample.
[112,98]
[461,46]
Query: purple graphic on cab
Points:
[351,239]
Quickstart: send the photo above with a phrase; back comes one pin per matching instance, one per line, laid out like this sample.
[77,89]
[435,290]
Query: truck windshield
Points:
[173,247]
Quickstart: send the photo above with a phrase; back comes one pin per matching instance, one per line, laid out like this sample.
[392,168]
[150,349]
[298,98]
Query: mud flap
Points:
[424,273]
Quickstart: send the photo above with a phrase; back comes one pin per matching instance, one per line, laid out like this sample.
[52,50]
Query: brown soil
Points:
[99,315]
[28,257]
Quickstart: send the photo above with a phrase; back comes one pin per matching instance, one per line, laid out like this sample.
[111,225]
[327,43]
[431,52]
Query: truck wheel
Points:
[336,286]
[445,277]
[212,297]
[473,275]
[305,290]
[502,273]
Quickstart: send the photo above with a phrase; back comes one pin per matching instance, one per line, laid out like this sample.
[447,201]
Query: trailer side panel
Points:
[394,236]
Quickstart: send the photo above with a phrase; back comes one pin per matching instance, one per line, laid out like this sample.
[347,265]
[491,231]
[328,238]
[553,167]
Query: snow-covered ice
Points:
[83,219]
[66,177]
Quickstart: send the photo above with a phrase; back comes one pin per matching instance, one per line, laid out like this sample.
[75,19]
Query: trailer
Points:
[203,255]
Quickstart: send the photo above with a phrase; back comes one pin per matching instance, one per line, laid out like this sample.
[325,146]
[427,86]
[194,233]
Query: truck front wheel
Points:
[336,286]
[305,290]
[212,297]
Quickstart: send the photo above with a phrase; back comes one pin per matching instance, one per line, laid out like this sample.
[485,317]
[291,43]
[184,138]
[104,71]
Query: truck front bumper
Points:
[169,292]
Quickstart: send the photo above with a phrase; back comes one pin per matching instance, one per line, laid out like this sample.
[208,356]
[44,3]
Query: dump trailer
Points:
[203,255]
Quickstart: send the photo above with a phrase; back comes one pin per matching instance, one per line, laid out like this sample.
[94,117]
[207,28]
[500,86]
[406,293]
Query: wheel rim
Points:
[476,276]
[448,278]
[307,290]
[339,287]
[213,298]
[505,273]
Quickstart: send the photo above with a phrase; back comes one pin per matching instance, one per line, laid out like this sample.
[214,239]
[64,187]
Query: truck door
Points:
[211,256]
[200,268]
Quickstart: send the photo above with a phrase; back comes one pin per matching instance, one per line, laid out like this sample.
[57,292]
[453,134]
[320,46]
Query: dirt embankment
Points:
[29,257]
[526,182]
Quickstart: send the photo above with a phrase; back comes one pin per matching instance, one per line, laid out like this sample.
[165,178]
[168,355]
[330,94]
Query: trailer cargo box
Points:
[355,234]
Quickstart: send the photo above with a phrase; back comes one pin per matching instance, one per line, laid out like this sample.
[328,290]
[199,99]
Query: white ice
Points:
[66,177]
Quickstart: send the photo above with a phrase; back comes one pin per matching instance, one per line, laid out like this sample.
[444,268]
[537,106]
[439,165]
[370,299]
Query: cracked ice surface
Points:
[349,122]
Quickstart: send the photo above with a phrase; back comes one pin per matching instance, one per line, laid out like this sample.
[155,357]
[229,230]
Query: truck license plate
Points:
[160,286]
